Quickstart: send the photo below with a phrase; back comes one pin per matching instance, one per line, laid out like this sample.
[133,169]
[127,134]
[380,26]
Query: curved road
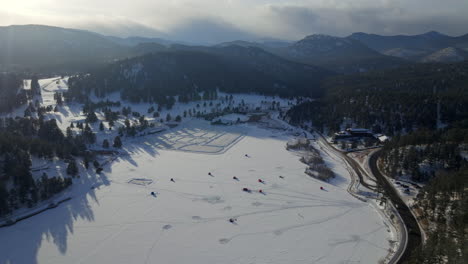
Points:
[354,165]
[414,233]
[412,238]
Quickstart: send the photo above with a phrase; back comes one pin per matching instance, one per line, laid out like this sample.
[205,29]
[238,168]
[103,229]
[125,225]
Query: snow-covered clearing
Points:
[114,218]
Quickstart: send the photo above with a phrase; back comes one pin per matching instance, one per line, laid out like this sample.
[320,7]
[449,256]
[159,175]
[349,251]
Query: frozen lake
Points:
[197,136]
[187,222]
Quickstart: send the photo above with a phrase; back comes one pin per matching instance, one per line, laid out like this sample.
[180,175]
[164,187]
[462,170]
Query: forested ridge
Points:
[424,108]
[422,153]
[437,157]
[188,73]
[391,101]
[444,202]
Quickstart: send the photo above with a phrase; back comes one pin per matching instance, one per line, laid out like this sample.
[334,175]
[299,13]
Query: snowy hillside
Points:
[402,53]
[449,54]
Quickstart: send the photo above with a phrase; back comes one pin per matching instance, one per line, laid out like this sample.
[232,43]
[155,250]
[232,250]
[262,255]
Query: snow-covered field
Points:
[113,218]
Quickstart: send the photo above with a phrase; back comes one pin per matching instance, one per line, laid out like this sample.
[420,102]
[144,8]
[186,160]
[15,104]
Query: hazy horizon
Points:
[209,21]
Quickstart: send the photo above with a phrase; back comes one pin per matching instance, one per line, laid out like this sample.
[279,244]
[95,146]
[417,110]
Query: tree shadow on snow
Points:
[21,241]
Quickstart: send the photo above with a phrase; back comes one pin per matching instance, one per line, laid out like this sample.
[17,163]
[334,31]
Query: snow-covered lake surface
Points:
[197,136]
[120,222]
[113,218]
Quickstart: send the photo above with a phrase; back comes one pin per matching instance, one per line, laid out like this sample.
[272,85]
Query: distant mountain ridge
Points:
[430,40]
[338,54]
[136,40]
[325,48]
[46,48]
[38,47]
[413,47]
[264,43]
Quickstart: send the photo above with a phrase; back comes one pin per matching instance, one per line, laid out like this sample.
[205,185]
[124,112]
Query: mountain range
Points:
[45,48]
[338,54]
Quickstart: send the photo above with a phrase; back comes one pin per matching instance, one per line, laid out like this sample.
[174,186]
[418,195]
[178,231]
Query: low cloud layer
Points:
[211,21]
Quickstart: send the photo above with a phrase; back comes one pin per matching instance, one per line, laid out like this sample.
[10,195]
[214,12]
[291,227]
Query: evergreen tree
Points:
[58,98]
[91,117]
[72,168]
[69,133]
[4,197]
[35,87]
[86,161]
[117,142]
[143,122]
[27,112]
[105,143]
[170,102]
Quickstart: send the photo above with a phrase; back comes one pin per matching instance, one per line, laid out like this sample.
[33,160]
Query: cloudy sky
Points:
[208,21]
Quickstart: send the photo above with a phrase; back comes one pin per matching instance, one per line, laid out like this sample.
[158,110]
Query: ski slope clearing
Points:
[186,220]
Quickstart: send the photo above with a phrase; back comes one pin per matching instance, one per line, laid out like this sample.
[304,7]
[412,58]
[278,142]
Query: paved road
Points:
[357,169]
[414,233]
[412,238]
